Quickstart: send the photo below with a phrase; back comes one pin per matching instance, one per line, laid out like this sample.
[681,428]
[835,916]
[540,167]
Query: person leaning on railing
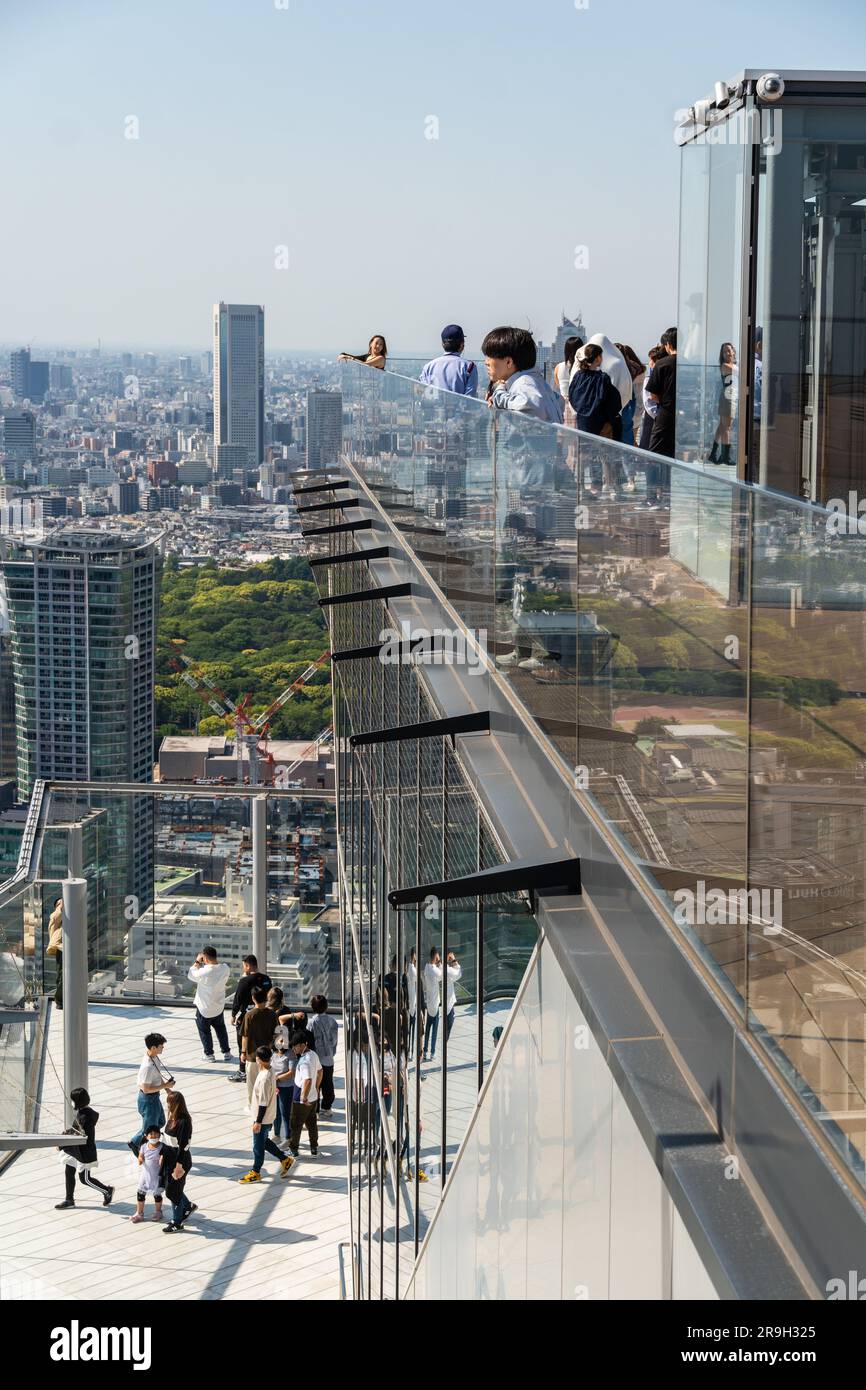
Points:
[55,947]
[375,356]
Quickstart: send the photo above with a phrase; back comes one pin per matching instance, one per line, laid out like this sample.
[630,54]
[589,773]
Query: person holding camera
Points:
[152,1078]
[209,977]
[432,993]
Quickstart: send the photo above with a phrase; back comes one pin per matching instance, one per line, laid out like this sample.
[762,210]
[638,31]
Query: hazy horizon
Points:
[281,156]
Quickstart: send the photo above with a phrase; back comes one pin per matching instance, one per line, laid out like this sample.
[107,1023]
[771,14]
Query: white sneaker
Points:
[208,1057]
[508,658]
[531,663]
[227,1057]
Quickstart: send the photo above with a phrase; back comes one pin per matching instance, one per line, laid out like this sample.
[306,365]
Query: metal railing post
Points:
[259,819]
[74,988]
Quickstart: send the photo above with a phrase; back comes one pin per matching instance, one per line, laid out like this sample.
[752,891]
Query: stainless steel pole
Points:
[260,879]
[74,987]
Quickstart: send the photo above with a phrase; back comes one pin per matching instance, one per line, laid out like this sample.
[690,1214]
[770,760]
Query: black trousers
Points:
[84,1177]
[326,1091]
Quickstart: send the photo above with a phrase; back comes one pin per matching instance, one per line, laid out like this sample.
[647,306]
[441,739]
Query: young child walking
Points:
[150,1179]
[81,1158]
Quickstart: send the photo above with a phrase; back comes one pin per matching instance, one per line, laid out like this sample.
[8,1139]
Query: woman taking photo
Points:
[375,356]
[176,1137]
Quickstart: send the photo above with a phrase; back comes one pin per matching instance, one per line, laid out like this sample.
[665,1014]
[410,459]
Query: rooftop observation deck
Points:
[243,1242]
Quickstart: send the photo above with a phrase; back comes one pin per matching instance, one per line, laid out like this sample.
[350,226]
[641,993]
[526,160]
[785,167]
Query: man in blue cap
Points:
[451,371]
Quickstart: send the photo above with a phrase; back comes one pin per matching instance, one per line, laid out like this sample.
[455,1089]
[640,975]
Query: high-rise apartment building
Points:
[82,613]
[324,428]
[239,378]
[19,365]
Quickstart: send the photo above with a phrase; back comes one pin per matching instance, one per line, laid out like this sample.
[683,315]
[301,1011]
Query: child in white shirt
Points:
[150,1178]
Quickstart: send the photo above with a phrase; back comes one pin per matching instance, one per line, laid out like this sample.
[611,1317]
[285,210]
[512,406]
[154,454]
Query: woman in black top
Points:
[176,1137]
[82,1157]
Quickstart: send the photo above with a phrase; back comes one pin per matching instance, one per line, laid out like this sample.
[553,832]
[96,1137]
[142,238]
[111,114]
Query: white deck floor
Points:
[277,1239]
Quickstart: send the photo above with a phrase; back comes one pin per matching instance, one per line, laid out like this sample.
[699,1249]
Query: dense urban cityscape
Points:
[433,672]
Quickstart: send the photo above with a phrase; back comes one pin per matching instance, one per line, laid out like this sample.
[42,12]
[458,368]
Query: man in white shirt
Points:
[308,1079]
[263,1109]
[209,977]
[432,994]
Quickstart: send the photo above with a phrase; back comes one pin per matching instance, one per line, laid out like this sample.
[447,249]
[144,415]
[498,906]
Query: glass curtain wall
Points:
[427,988]
[687,649]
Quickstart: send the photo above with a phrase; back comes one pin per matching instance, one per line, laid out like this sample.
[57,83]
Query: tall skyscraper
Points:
[239,378]
[82,613]
[29,378]
[19,363]
[324,428]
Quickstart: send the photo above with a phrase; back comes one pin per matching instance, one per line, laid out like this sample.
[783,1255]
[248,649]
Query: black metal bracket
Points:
[421,530]
[379,552]
[367,595]
[598,733]
[541,876]
[475,723]
[365,525]
[321,487]
[368,653]
[329,506]
[446,558]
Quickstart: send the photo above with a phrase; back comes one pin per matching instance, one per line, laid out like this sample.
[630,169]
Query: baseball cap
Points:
[453,330]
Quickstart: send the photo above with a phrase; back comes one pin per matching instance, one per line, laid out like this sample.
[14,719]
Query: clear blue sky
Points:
[304,127]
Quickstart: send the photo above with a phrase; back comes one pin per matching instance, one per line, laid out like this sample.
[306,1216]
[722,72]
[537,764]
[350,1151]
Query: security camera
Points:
[770,87]
[722,94]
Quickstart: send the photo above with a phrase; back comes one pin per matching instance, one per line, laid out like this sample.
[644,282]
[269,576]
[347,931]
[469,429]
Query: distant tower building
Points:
[125,498]
[184,368]
[324,428]
[569,328]
[228,458]
[61,377]
[29,378]
[19,363]
[206,364]
[239,378]
[19,433]
[82,610]
[37,380]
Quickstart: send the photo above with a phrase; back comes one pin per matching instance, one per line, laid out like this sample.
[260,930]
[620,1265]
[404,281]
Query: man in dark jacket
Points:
[251,979]
[83,1156]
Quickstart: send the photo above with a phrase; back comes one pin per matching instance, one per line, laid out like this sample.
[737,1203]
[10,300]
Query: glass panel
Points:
[807,927]
[810,410]
[694,408]
[724,316]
